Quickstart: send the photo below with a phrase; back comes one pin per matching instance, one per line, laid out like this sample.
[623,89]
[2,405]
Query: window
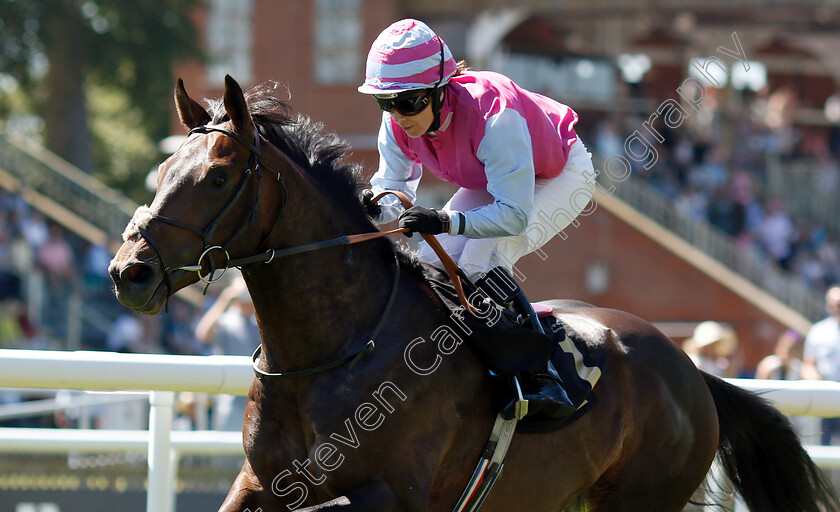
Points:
[338,36]
[229,41]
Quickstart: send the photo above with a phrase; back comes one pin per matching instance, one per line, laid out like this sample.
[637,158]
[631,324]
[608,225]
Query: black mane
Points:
[321,155]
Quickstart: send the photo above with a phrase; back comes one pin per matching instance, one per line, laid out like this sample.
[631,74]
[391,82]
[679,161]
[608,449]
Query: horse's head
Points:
[206,206]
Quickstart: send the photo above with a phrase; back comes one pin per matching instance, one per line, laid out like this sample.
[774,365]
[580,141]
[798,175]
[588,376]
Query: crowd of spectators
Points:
[755,176]
[55,294]
[38,275]
[716,170]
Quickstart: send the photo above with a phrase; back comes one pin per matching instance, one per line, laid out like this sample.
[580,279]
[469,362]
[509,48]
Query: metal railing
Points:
[807,190]
[163,375]
[746,261]
[49,175]
[166,374]
[93,211]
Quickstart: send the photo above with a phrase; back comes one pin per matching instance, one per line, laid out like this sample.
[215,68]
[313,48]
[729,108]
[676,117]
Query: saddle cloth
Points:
[506,349]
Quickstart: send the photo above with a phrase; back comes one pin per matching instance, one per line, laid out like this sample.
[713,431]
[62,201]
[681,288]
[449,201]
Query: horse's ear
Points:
[189,111]
[237,109]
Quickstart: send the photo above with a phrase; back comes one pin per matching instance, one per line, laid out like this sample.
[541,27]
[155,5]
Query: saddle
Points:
[505,348]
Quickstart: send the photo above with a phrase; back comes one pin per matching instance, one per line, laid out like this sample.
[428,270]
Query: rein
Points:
[455,273]
[269,256]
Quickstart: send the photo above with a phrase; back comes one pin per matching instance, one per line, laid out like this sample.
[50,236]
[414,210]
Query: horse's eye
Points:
[218,180]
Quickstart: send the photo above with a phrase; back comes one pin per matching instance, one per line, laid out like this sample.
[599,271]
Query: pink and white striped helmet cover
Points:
[406,56]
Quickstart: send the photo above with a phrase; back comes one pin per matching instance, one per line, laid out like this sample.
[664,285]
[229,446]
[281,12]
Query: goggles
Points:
[408,104]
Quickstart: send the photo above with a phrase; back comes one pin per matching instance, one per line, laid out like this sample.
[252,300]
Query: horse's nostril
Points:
[137,274]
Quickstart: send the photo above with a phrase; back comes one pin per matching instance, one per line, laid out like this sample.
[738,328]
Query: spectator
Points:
[747,207]
[179,330]
[186,409]
[713,172]
[821,360]
[785,363]
[96,260]
[826,173]
[55,257]
[722,212]
[34,229]
[693,204]
[20,256]
[125,415]
[776,233]
[607,141]
[126,334]
[714,349]
[808,266]
[230,326]
[828,253]
[16,331]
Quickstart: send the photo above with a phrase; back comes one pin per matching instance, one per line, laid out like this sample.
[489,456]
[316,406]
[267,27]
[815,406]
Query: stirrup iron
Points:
[520,409]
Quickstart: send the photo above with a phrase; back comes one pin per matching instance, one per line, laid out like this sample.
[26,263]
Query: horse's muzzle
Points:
[138,285]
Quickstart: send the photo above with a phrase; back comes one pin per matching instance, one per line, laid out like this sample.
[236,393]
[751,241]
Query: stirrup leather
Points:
[521,407]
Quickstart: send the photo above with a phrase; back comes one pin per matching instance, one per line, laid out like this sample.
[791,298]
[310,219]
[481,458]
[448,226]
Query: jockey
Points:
[524,175]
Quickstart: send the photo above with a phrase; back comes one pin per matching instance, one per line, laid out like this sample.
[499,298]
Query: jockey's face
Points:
[415,125]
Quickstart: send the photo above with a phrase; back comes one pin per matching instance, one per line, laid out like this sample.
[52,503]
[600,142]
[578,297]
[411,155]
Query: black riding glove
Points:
[373,209]
[424,220]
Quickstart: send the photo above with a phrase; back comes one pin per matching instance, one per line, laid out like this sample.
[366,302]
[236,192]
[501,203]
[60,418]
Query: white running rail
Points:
[164,375]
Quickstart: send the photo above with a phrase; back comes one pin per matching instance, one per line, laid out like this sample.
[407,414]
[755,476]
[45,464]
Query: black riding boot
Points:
[543,389]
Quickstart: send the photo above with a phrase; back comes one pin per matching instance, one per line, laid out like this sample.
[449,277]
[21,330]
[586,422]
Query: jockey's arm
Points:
[396,172]
[508,159]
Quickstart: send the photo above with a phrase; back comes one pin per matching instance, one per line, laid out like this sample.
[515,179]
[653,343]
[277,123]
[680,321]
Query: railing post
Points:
[161,492]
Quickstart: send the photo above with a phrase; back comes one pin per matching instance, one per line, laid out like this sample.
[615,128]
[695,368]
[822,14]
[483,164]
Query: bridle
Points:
[254,169]
[255,166]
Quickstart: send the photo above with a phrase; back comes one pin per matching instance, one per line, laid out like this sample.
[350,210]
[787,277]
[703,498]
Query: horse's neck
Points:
[312,307]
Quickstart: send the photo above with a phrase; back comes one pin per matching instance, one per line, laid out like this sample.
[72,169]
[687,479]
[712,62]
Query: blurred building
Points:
[597,56]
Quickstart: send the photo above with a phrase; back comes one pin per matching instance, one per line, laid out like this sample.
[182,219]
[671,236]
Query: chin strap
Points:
[435,110]
[436,94]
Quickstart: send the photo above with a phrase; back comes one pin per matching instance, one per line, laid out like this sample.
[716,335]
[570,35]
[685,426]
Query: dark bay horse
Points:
[401,427]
